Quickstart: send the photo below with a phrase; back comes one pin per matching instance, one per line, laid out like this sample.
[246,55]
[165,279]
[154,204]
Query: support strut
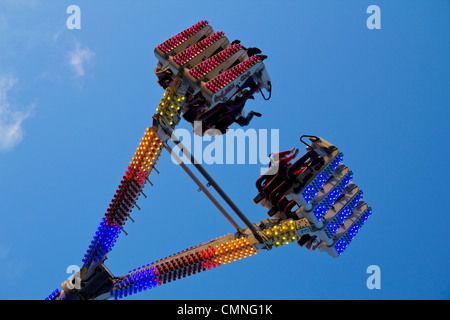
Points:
[202,188]
[216,187]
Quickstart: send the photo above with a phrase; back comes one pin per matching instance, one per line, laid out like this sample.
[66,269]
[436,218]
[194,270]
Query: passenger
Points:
[233,111]
[195,105]
[222,115]
[250,51]
[245,121]
[165,76]
[272,187]
[282,161]
[195,102]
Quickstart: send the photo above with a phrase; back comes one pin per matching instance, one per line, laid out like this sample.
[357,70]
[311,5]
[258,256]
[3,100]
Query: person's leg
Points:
[244,121]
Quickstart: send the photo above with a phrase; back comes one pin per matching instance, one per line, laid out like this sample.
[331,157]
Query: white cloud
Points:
[11,118]
[79,58]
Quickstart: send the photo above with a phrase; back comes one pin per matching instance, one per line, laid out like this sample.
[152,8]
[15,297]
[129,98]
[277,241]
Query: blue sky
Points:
[74,105]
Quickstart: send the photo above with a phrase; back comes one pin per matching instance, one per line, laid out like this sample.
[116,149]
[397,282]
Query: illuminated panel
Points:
[313,188]
[125,198]
[170,107]
[349,229]
[232,250]
[146,155]
[103,241]
[165,101]
[204,257]
[132,184]
[53,295]
[185,56]
[130,188]
[183,264]
[222,80]
[342,215]
[178,39]
[194,260]
[135,282]
[331,198]
[282,234]
[203,68]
